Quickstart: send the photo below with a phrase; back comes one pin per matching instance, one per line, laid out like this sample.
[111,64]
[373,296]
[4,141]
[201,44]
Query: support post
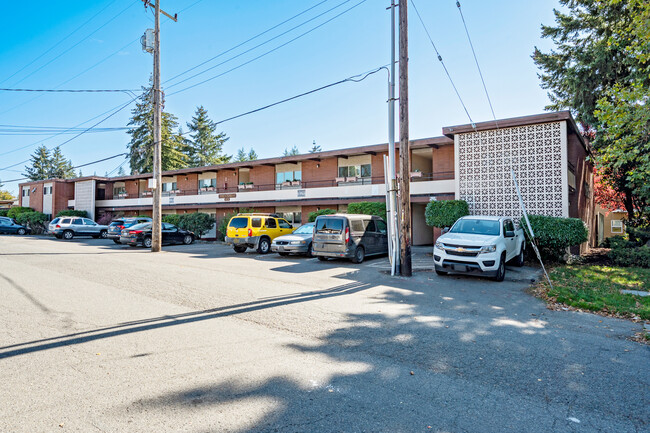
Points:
[392,181]
[156,235]
[404,147]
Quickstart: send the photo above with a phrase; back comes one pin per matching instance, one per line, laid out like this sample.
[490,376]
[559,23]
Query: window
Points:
[77,221]
[25,192]
[617,226]
[167,226]
[88,222]
[381,227]
[288,176]
[256,222]
[169,186]
[65,221]
[329,225]
[357,225]
[364,170]
[508,227]
[370,226]
[207,183]
[477,227]
[239,223]
[119,190]
[284,224]
[270,223]
[47,190]
[292,217]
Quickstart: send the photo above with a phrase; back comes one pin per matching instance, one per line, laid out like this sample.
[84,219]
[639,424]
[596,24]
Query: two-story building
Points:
[471,162]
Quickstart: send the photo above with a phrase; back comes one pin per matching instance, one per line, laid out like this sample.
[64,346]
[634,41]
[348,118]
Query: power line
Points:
[349,79]
[73,46]
[266,53]
[252,38]
[442,63]
[58,43]
[70,90]
[477,65]
[108,174]
[77,166]
[81,133]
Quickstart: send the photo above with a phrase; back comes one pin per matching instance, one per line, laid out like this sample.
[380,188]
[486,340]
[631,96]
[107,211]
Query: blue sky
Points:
[105,53]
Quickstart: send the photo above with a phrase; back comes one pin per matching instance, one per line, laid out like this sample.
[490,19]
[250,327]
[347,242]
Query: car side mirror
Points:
[445,230]
[510,234]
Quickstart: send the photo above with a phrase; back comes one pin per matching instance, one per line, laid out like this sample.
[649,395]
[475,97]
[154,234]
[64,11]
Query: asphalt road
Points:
[107,338]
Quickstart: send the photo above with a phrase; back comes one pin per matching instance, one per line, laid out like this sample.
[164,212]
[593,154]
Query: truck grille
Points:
[461,250]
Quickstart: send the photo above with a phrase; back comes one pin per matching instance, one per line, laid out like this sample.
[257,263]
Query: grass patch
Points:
[597,288]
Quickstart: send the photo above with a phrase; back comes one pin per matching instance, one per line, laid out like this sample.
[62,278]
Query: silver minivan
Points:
[349,236]
[69,227]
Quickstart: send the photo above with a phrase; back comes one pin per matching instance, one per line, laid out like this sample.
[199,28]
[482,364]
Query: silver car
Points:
[298,242]
[69,227]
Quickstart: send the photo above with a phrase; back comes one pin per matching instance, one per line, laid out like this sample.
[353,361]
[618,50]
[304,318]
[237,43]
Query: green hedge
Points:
[172,219]
[638,257]
[313,215]
[376,208]
[554,235]
[37,221]
[3,212]
[73,213]
[197,222]
[15,211]
[445,213]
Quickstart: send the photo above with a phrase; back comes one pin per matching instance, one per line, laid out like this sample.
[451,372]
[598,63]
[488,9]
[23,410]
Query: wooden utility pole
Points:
[156,234]
[404,150]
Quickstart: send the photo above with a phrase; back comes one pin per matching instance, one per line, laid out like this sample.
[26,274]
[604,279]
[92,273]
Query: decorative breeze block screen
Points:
[485,161]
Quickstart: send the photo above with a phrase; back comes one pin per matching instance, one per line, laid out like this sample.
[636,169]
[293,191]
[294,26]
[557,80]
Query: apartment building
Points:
[470,162]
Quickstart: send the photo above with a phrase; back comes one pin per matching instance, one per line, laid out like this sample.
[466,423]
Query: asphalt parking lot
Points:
[102,337]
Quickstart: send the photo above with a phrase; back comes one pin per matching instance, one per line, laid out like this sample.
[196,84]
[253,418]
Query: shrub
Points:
[34,220]
[617,242]
[73,213]
[172,219]
[15,211]
[313,215]
[445,213]
[199,223]
[376,208]
[554,235]
[3,212]
[105,219]
[631,257]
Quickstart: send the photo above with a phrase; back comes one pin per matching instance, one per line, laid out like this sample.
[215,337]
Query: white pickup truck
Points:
[479,244]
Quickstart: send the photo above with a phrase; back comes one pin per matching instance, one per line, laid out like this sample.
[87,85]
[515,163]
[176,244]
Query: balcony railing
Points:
[336,182]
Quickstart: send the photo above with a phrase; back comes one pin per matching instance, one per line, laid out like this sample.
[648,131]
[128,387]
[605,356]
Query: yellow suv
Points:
[256,230]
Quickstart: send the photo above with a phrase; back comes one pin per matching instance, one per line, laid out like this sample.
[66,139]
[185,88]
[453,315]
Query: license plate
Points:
[238,241]
[280,248]
[460,268]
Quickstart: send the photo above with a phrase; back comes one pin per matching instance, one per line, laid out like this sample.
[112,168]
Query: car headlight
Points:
[488,249]
[440,246]
[297,242]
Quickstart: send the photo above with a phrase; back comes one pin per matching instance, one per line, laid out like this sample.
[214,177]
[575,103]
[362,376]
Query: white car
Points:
[481,245]
[69,227]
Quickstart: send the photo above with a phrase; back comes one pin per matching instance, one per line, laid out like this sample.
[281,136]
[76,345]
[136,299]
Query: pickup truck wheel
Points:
[359,255]
[501,271]
[519,261]
[264,246]
[68,234]
[239,248]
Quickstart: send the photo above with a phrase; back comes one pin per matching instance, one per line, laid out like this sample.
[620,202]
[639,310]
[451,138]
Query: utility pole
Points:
[156,234]
[404,148]
[392,181]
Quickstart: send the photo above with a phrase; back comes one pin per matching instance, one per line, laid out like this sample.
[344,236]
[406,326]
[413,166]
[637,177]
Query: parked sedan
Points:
[115,228]
[298,242]
[69,227]
[140,234]
[7,225]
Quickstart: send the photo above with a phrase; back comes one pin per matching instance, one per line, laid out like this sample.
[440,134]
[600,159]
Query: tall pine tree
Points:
[61,168]
[141,145]
[205,146]
[40,165]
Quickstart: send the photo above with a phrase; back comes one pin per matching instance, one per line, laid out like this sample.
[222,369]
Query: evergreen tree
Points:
[242,156]
[294,151]
[40,165]
[205,146]
[315,148]
[80,173]
[121,172]
[252,155]
[61,167]
[141,144]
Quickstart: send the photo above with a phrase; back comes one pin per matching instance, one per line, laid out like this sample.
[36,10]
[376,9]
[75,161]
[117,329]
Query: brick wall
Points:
[191,185]
[225,177]
[109,191]
[322,175]
[63,191]
[132,189]
[263,175]
[443,159]
[36,197]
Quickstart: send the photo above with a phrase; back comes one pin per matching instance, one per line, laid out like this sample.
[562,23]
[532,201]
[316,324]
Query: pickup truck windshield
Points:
[477,227]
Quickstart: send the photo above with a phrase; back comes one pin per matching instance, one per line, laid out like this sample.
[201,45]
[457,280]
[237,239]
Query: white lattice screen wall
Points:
[538,155]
